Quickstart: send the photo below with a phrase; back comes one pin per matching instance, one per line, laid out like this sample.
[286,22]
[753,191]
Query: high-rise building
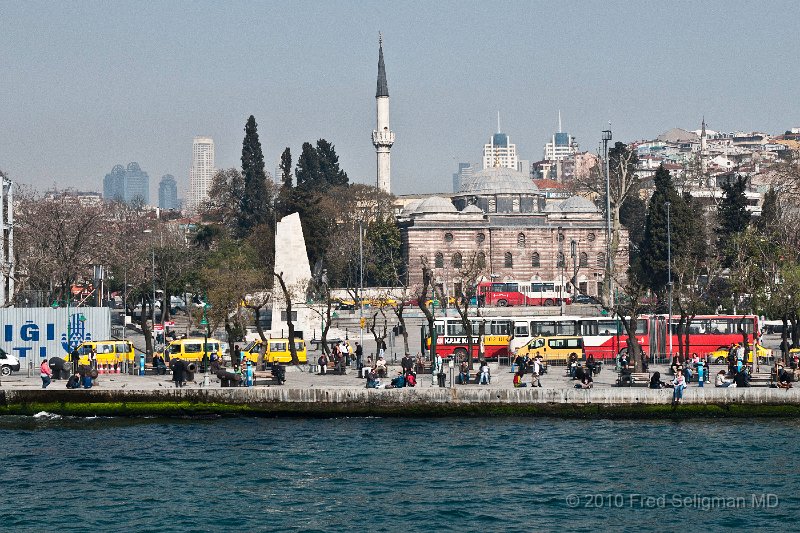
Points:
[561,145]
[499,152]
[127,184]
[168,192]
[202,172]
[464,170]
[383,137]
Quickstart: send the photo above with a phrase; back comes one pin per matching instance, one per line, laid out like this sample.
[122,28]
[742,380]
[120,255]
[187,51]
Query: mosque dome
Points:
[435,204]
[471,209]
[411,206]
[497,180]
[577,204]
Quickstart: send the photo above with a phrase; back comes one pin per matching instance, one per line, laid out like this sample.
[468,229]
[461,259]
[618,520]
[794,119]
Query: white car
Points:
[8,363]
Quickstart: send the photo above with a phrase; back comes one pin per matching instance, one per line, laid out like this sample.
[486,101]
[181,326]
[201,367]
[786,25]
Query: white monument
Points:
[291,261]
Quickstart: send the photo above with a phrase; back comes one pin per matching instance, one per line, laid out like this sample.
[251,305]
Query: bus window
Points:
[499,327]
[536,287]
[608,327]
[439,329]
[191,348]
[536,343]
[550,287]
[455,329]
[546,329]
[512,287]
[588,328]
[521,329]
[566,328]
[277,347]
[476,328]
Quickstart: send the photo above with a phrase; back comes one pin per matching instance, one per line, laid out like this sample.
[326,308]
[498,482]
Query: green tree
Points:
[384,250]
[255,204]
[733,216]
[330,173]
[307,169]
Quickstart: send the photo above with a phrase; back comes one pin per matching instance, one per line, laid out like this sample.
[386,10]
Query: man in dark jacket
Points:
[178,372]
[359,356]
[407,363]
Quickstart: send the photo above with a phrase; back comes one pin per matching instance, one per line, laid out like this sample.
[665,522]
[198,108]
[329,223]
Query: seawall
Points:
[327,402]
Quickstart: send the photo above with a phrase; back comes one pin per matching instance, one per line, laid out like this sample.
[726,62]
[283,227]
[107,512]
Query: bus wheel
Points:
[549,302]
[719,361]
[502,303]
[460,354]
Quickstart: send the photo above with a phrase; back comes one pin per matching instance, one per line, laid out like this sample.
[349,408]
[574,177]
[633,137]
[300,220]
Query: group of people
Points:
[340,355]
[405,378]
[82,377]
[525,365]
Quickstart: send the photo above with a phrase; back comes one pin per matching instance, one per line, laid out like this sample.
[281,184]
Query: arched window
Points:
[508,260]
[457,260]
[521,240]
[535,261]
[448,237]
[590,237]
[481,260]
[480,237]
[439,261]
[560,260]
[601,260]
[584,260]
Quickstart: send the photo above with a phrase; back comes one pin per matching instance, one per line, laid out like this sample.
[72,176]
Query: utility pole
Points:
[669,280]
[609,261]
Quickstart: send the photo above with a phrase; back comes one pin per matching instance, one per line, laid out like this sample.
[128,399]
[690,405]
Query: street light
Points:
[204,323]
[669,280]
[574,249]
[607,137]
[562,265]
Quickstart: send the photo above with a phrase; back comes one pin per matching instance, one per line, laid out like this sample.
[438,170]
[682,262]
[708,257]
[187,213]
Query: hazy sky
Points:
[87,85]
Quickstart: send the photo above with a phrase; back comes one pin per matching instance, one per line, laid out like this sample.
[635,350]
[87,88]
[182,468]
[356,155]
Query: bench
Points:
[633,379]
[265,378]
[761,379]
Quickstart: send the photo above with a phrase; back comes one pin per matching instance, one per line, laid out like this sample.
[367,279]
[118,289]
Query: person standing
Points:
[46,373]
[75,360]
[178,370]
[406,363]
[359,356]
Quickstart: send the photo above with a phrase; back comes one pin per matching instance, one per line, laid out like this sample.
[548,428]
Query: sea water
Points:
[394,474]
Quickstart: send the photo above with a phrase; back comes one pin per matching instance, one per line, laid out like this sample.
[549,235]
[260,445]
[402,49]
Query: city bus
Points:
[521,293]
[605,338]
[526,328]
[452,340]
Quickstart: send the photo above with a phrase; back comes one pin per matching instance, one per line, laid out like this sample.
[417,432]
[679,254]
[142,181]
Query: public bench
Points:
[633,379]
[265,378]
[761,379]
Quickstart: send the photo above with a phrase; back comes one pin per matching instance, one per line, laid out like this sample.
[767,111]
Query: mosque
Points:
[500,219]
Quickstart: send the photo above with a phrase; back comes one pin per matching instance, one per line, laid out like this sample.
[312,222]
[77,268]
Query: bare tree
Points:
[468,274]
[427,290]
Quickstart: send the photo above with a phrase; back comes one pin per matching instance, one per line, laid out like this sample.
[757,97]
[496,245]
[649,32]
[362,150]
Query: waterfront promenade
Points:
[331,395]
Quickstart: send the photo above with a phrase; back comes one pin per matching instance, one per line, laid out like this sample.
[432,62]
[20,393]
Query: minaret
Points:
[703,149]
[383,137]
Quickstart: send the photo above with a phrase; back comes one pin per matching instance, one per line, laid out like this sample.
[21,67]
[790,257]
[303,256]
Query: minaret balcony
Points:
[382,138]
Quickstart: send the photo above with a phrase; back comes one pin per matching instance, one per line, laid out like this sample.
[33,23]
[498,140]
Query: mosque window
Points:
[601,260]
[457,260]
[584,260]
[508,260]
[560,260]
[535,260]
[480,237]
[439,260]
[521,240]
[448,237]
[481,260]
[590,237]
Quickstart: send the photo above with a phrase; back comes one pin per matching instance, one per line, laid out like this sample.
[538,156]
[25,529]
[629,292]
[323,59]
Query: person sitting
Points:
[485,377]
[742,378]
[399,382]
[590,364]
[655,381]
[380,367]
[518,383]
[74,381]
[580,372]
[411,379]
[586,381]
[687,373]
[279,372]
[572,364]
[159,366]
[463,373]
[372,380]
[86,380]
[720,381]
[784,378]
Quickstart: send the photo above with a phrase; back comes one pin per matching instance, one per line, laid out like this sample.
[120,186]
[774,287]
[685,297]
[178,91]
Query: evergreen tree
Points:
[733,217]
[633,215]
[307,169]
[254,208]
[286,167]
[329,169]
[655,243]
[733,214]
[285,206]
[770,213]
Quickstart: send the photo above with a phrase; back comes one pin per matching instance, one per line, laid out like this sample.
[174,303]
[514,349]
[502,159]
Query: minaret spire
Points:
[382,136]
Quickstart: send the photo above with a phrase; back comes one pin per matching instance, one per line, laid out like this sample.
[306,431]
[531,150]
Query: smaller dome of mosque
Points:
[435,204]
[472,209]
[578,204]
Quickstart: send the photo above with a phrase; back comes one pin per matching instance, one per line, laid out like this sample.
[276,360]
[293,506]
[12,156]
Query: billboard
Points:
[44,332]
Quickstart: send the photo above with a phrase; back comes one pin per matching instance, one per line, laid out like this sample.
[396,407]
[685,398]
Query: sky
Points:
[88,85]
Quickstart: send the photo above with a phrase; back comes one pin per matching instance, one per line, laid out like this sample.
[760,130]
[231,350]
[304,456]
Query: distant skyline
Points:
[88,85]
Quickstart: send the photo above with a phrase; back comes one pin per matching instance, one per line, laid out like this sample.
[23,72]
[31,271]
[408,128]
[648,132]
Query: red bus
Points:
[517,293]
[452,340]
[605,337]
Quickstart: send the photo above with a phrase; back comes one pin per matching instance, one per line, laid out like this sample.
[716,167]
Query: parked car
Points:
[8,363]
[585,299]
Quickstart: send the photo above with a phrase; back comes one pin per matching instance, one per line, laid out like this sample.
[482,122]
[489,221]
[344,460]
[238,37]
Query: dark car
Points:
[585,299]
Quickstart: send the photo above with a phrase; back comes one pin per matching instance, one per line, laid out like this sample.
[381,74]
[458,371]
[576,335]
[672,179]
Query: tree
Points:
[224,199]
[427,290]
[255,205]
[733,215]
[468,277]
[289,292]
[284,204]
[307,170]
[330,172]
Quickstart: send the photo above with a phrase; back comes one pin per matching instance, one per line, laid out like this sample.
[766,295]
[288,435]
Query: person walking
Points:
[46,373]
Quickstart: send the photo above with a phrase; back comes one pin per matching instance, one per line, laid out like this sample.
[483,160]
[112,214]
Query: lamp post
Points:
[563,264]
[669,280]
[607,137]
[153,277]
[574,249]
[204,323]
[360,286]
